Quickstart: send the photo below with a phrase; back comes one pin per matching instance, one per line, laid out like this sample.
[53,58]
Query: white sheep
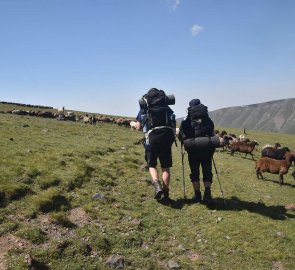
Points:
[133,124]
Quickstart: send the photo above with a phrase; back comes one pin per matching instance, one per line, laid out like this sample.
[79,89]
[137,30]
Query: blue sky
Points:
[103,55]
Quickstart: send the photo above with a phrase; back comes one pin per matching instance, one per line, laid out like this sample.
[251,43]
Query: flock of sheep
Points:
[274,158]
[62,115]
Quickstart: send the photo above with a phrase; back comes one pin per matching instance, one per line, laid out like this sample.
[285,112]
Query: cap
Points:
[194,102]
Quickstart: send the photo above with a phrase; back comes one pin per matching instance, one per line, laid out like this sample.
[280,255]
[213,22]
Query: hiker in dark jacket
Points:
[198,124]
[159,139]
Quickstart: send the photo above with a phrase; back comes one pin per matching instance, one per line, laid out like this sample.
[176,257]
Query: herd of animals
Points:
[63,115]
[275,159]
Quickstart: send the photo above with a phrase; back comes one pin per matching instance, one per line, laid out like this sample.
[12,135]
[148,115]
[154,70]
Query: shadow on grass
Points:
[277,182]
[36,265]
[178,204]
[277,212]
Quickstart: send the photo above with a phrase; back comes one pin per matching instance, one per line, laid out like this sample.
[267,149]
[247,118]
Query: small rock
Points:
[280,234]
[219,219]
[277,266]
[173,265]
[45,130]
[98,196]
[116,261]
[181,248]
[227,237]
[135,222]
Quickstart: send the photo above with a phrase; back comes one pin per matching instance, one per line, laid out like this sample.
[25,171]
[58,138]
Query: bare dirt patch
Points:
[79,217]
[7,243]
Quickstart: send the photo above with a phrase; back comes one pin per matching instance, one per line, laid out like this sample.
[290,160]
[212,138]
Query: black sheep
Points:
[275,153]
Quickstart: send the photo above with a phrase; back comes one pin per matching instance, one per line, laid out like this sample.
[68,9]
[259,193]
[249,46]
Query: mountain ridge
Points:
[274,116]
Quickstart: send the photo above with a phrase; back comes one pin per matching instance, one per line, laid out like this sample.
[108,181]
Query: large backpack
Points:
[197,115]
[160,118]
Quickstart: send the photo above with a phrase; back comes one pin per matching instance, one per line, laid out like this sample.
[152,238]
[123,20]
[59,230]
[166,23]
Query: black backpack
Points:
[159,113]
[161,121]
[197,115]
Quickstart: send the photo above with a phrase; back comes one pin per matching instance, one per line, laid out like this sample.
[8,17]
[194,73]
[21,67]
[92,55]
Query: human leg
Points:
[165,158]
[194,164]
[207,179]
[151,155]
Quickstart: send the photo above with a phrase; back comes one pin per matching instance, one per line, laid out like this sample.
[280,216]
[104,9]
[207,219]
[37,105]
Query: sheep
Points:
[224,142]
[243,147]
[242,137]
[275,146]
[274,153]
[133,124]
[274,166]
[61,110]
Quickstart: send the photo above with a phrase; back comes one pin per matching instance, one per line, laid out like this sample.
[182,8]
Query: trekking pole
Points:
[218,181]
[182,161]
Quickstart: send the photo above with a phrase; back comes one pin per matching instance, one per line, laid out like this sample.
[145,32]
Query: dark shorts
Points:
[164,154]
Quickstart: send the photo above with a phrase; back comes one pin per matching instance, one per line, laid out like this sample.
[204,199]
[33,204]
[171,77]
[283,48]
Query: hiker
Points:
[157,121]
[197,124]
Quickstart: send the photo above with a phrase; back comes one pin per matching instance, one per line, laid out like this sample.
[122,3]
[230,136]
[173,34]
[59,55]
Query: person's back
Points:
[198,124]
[158,123]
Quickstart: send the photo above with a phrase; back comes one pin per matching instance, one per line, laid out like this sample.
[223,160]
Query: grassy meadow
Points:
[50,171]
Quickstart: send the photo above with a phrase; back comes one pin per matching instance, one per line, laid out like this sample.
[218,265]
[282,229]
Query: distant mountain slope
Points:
[274,116]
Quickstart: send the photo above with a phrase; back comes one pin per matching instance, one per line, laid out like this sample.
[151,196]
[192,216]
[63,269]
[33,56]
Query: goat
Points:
[274,153]
[243,147]
[274,166]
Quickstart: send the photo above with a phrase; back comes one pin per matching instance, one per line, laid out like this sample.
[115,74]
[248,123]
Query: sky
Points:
[101,56]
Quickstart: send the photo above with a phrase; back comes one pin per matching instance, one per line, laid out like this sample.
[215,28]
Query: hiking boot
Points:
[198,197]
[166,195]
[207,199]
[158,190]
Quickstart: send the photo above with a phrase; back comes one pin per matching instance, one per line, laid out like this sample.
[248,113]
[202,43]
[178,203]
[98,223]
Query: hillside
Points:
[273,116]
[72,196]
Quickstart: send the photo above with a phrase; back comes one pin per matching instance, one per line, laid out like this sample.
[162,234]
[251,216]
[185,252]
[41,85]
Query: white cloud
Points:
[173,4]
[196,29]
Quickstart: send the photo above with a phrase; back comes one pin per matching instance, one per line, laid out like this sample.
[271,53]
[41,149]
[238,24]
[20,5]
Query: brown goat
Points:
[274,166]
[243,147]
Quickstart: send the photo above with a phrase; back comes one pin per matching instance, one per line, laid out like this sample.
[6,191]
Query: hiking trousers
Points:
[195,162]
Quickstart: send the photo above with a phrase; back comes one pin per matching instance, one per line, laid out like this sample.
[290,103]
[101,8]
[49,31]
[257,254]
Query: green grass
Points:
[56,171]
